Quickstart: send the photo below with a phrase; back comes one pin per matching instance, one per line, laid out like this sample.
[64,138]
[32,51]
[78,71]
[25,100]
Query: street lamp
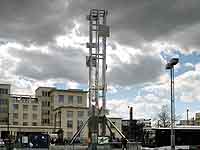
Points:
[170,65]
[187,116]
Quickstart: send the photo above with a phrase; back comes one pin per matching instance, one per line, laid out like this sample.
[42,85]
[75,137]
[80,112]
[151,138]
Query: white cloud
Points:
[190,65]
[197,67]
[143,107]
[72,85]
[112,89]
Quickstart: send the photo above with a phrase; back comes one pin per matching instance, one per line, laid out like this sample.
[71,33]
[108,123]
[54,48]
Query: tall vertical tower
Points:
[96,61]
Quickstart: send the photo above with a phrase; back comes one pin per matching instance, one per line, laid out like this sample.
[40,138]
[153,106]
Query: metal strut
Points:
[78,132]
[96,62]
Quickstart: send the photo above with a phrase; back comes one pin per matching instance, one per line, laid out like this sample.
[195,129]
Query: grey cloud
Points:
[61,63]
[69,63]
[139,21]
[33,21]
[148,68]
[132,21]
[188,38]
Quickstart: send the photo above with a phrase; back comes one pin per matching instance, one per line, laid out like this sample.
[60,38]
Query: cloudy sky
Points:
[42,43]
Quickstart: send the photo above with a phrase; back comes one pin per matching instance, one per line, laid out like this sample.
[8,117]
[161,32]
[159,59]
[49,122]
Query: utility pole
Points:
[187,116]
[131,129]
[170,65]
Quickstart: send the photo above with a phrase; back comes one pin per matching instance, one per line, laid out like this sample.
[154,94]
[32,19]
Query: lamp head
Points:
[172,63]
[168,66]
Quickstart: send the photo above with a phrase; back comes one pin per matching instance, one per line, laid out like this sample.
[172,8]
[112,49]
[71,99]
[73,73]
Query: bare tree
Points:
[164,117]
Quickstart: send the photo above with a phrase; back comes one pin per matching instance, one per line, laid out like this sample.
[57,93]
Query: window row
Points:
[3,120]
[3,109]
[45,103]
[45,112]
[70,114]
[25,123]
[44,121]
[45,93]
[3,101]
[25,116]
[70,124]
[25,107]
[3,91]
[70,99]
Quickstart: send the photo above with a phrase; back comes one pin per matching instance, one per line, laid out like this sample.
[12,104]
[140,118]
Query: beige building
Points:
[24,110]
[20,114]
[48,111]
[70,110]
[197,119]
[4,99]
[43,95]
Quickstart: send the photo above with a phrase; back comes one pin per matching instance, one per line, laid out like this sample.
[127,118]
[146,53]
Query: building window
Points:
[79,100]
[3,101]
[15,123]
[3,109]
[25,107]
[43,103]
[46,121]
[69,114]
[69,123]
[61,99]
[79,124]
[48,103]
[34,107]
[45,112]
[3,120]
[15,106]
[45,93]
[25,123]
[34,116]
[34,123]
[15,116]
[25,116]
[3,91]
[80,114]
[70,99]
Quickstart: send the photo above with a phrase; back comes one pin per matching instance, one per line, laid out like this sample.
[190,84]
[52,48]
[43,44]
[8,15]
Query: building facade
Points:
[24,110]
[133,129]
[4,103]
[48,111]
[70,111]
[197,119]
[43,95]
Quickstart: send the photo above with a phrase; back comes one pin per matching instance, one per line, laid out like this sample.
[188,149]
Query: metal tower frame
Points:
[96,62]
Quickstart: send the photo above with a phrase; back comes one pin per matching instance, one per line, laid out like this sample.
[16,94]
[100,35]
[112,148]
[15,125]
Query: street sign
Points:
[103,140]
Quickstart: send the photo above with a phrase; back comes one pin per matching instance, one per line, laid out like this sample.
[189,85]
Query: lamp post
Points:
[131,129]
[170,65]
[187,116]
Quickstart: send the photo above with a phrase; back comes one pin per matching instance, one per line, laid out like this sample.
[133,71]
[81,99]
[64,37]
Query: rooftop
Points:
[70,90]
